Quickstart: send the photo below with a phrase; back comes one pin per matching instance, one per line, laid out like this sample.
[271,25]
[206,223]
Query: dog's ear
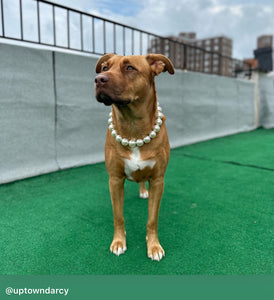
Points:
[159,63]
[103,59]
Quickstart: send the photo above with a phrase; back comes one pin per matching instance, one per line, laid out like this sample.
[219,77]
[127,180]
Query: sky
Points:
[241,20]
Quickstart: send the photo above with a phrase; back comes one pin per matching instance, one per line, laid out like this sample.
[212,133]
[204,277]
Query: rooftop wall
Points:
[50,119]
[266,104]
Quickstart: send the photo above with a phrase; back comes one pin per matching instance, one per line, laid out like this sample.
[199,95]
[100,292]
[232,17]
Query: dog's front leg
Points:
[116,187]
[154,249]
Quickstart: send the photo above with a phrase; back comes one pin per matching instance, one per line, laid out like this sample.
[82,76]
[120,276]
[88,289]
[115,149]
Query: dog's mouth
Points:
[103,98]
[107,100]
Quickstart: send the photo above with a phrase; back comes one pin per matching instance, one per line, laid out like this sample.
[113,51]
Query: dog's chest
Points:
[135,163]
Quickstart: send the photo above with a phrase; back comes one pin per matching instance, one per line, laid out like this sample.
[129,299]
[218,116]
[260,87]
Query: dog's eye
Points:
[130,68]
[105,68]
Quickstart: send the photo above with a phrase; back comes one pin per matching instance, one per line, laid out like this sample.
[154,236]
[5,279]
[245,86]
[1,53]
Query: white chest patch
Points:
[135,163]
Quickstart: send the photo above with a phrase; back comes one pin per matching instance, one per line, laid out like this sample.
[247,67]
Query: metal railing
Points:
[50,24]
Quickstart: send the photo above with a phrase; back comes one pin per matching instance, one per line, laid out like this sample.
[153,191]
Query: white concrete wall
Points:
[81,121]
[200,107]
[50,119]
[266,100]
[27,140]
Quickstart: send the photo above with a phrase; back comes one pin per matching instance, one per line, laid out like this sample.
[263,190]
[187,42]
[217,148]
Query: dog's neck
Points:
[135,120]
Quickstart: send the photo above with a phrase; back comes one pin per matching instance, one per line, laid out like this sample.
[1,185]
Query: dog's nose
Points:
[101,79]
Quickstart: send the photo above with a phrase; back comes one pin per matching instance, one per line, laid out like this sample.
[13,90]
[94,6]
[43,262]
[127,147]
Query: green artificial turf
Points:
[216,216]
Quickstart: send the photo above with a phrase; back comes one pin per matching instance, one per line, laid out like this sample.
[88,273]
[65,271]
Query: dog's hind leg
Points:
[143,192]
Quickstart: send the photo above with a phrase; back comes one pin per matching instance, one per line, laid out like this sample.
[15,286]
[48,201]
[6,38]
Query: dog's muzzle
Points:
[102,93]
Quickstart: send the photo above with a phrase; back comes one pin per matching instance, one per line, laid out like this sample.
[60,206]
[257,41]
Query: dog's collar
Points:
[139,142]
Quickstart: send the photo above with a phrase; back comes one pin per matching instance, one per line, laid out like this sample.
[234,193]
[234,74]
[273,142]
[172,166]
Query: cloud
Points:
[243,21]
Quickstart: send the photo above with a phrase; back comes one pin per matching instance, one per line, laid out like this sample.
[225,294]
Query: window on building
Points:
[207,56]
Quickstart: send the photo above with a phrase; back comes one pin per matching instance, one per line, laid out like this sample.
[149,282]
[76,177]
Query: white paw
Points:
[157,256]
[119,251]
[144,195]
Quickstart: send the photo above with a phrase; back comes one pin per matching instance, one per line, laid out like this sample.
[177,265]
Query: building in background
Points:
[216,59]
[210,55]
[264,41]
[264,53]
[251,63]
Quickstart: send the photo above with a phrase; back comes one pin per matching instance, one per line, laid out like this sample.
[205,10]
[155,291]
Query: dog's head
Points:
[124,79]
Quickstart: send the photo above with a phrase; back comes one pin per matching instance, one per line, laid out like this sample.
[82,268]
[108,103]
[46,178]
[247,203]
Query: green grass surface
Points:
[216,217]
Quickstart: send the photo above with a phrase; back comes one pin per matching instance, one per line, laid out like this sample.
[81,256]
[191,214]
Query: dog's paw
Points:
[143,195]
[155,252]
[118,247]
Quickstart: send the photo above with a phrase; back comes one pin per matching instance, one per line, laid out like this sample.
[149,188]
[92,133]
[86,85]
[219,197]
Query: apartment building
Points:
[209,55]
[264,53]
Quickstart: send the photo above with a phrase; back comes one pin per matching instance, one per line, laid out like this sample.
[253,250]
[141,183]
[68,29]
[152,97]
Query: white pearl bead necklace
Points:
[140,142]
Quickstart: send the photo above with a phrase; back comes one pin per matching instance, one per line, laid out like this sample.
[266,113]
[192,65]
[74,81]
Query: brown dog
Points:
[137,146]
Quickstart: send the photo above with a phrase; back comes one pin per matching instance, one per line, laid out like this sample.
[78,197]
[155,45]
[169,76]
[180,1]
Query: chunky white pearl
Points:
[114,133]
[110,127]
[110,114]
[160,115]
[140,143]
[118,138]
[109,121]
[132,144]
[124,142]
[152,134]
[156,128]
[147,139]
[159,121]
[159,108]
